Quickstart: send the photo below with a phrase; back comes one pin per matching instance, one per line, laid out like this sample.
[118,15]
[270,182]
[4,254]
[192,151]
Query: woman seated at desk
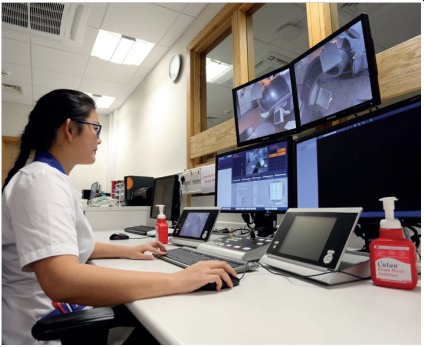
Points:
[47,239]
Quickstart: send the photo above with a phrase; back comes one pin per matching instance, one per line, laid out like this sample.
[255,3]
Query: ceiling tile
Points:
[25,98]
[55,80]
[16,52]
[104,70]
[138,76]
[155,55]
[145,21]
[175,6]
[97,15]
[17,73]
[57,60]
[178,28]
[194,9]
[96,86]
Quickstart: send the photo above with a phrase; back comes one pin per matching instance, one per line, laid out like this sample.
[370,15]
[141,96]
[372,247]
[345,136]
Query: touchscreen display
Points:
[194,224]
[307,236]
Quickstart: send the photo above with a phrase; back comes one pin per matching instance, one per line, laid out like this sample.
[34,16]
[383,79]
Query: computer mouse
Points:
[119,236]
[212,286]
[151,233]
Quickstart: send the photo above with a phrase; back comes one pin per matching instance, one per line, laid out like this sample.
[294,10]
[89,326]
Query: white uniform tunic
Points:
[41,217]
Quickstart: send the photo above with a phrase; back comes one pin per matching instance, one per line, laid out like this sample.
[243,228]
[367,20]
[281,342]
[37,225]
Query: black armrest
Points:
[86,327]
[74,323]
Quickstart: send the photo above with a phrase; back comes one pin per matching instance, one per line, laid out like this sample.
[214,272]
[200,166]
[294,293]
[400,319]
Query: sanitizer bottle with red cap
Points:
[393,257]
[162,226]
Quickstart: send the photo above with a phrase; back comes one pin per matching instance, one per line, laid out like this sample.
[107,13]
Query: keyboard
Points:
[139,229]
[185,256]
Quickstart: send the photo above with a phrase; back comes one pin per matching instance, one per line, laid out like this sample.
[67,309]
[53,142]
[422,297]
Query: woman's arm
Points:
[107,250]
[64,279]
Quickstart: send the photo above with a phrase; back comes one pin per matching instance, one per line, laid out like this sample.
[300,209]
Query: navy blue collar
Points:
[46,157]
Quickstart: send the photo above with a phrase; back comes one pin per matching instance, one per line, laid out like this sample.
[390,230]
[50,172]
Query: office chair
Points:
[86,327]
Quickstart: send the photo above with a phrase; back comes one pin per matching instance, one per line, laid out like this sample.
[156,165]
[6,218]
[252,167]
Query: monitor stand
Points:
[265,223]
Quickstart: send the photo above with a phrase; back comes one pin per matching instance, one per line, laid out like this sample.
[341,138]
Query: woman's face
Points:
[87,141]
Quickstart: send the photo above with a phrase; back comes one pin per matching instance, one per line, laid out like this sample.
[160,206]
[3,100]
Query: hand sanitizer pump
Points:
[392,257]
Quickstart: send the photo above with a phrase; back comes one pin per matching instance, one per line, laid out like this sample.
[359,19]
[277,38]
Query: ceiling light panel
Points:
[120,49]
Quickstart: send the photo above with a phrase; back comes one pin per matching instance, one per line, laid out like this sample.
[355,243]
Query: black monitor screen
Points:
[166,191]
[254,179]
[338,76]
[358,162]
[264,107]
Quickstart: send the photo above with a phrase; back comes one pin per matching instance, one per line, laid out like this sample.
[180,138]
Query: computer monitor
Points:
[264,107]
[95,188]
[338,76]
[256,181]
[360,161]
[166,191]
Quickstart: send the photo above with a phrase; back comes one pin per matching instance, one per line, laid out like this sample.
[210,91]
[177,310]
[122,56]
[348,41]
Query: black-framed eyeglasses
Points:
[97,126]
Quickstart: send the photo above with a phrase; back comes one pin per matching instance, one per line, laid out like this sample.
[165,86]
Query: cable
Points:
[314,275]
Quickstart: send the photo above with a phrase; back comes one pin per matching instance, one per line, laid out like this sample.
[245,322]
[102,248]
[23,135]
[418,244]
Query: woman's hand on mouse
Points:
[138,252]
[204,272]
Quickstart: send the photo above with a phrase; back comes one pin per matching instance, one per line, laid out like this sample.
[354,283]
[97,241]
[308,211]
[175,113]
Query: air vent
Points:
[42,17]
[12,88]
[60,21]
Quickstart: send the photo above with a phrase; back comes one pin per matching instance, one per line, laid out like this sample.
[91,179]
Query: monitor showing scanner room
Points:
[360,161]
[264,107]
[255,181]
[166,191]
[338,76]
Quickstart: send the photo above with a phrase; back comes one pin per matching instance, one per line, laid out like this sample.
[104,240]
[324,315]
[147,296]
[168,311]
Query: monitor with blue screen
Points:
[255,180]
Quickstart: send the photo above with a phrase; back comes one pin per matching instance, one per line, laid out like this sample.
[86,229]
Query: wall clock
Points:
[174,67]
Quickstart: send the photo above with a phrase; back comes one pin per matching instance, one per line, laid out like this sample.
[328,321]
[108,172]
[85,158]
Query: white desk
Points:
[117,217]
[269,309]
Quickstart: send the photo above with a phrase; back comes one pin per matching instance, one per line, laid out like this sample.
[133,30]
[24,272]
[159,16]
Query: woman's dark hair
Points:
[48,115]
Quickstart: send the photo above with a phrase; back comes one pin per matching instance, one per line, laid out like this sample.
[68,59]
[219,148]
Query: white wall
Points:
[14,119]
[150,130]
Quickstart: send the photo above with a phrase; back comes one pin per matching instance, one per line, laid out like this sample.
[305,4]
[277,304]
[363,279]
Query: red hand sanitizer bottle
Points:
[392,257]
[162,226]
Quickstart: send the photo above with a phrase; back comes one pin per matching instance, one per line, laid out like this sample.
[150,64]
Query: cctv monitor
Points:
[360,161]
[166,191]
[264,107]
[338,76]
[255,181]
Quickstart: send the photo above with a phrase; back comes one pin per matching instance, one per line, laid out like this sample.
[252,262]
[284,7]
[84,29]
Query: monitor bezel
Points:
[372,68]
[365,218]
[269,137]
[176,198]
[290,163]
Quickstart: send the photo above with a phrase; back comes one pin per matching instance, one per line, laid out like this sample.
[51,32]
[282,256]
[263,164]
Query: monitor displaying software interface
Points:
[253,179]
[363,160]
